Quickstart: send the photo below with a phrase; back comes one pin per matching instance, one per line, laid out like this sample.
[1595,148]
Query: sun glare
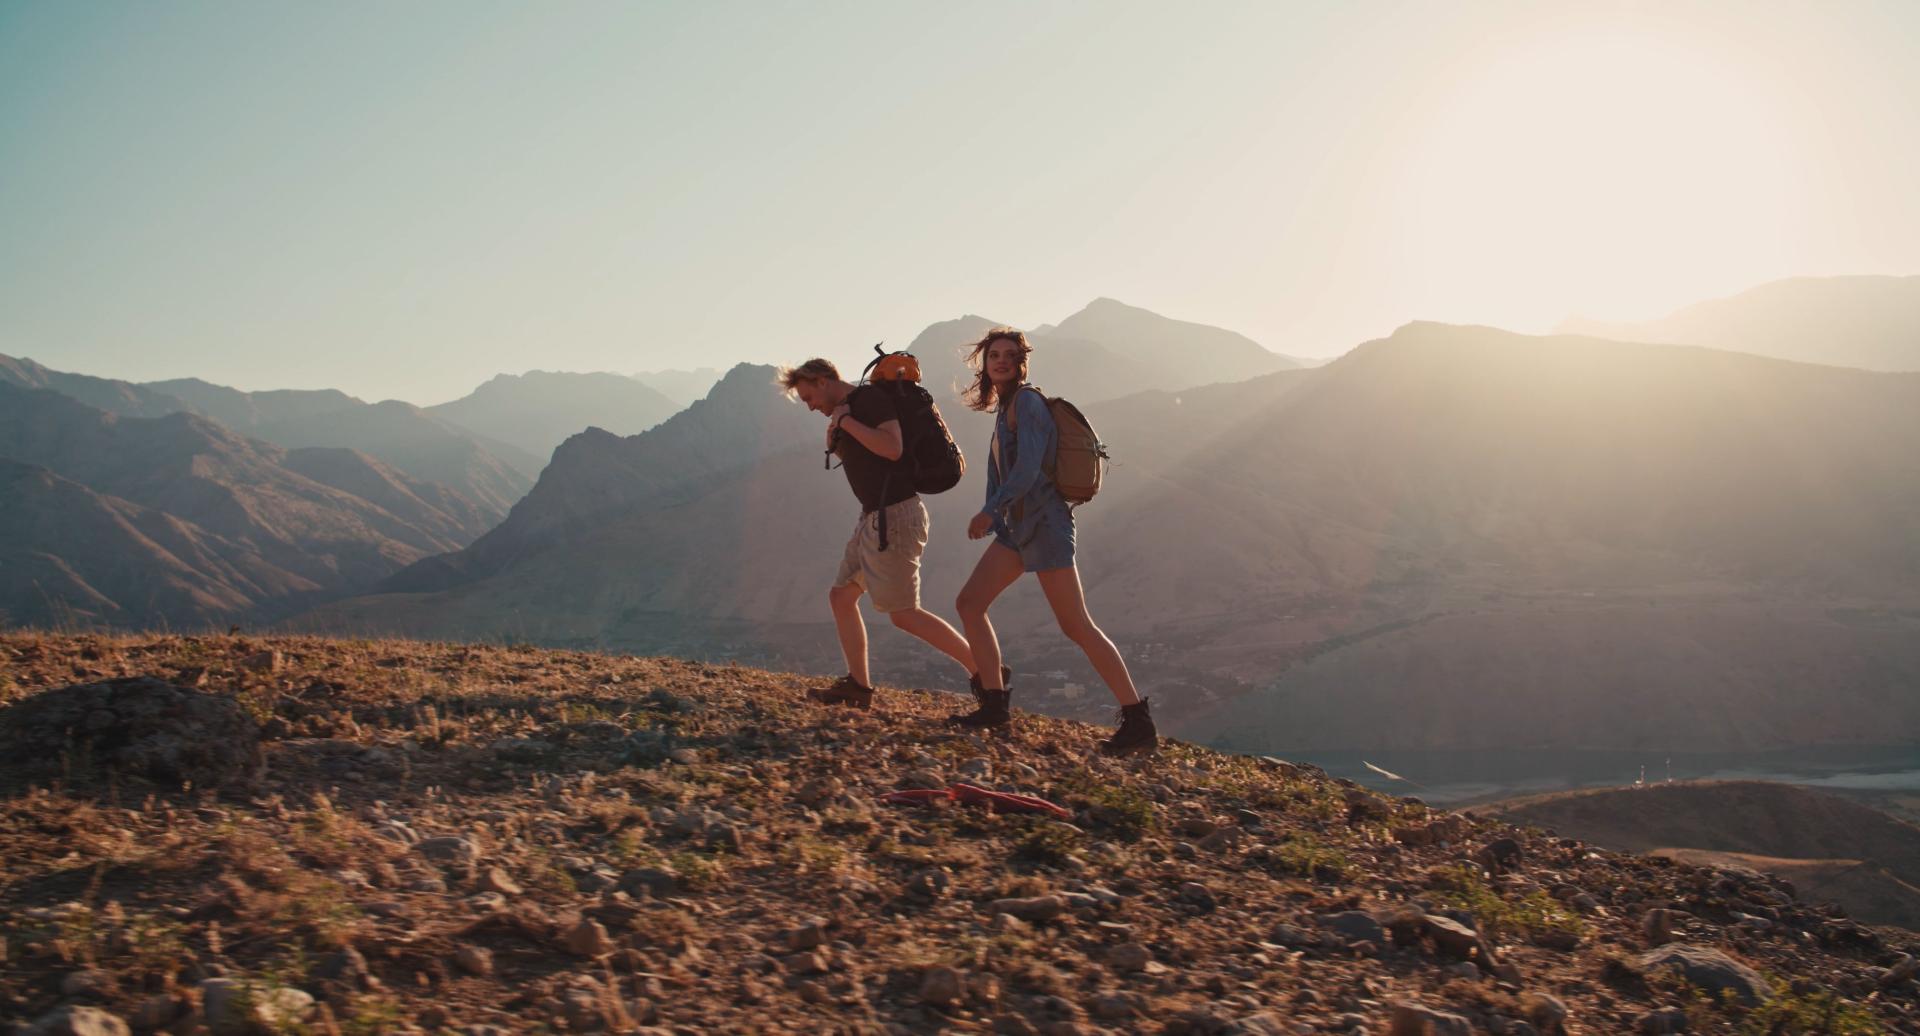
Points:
[1610,166]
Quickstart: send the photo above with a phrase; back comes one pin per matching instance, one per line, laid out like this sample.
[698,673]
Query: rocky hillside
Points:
[395,837]
[1861,857]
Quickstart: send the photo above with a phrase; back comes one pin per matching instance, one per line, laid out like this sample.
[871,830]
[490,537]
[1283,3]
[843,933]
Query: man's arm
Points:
[884,440]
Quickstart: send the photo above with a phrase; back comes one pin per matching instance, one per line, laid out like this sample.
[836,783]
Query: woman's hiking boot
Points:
[1136,733]
[990,707]
[844,691]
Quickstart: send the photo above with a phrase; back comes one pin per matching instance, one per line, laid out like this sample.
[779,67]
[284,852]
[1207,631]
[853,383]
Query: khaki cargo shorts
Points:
[892,576]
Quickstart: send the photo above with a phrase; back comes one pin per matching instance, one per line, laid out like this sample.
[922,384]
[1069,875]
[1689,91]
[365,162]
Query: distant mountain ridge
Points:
[490,475]
[680,386]
[1870,322]
[535,412]
[187,511]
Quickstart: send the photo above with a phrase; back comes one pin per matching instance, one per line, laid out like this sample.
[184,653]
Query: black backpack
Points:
[928,453]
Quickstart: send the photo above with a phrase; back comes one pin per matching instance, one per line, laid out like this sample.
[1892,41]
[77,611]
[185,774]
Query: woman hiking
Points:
[1032,530]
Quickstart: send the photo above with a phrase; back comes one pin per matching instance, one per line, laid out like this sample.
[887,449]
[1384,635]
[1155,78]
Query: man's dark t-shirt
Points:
[867,471]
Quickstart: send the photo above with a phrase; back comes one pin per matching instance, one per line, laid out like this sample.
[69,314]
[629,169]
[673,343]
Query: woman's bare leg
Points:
[997,569]
[1069,603]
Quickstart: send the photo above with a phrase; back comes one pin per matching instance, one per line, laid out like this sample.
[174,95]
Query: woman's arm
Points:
[1035,431]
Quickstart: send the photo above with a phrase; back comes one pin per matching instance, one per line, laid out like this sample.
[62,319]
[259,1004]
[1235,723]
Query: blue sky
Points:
[401,200]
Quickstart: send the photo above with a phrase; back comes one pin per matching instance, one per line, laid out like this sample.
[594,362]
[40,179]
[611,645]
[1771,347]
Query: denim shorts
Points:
[1046,539]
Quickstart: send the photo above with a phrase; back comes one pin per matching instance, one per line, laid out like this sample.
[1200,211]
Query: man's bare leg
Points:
[934,630]
[852,629]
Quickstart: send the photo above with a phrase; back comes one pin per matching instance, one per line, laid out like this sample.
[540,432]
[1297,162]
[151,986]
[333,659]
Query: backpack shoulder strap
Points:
[1013,413]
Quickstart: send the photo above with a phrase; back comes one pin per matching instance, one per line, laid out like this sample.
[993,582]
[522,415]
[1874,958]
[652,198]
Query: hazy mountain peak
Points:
[1849,321]
[743,377]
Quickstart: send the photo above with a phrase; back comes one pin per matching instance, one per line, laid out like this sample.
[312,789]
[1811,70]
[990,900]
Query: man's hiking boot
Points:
[844,691]
[1136,733]
[990,707]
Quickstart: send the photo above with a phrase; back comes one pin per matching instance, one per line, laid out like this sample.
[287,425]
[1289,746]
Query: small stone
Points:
[1408,1019]
[474,960]
[984,988]
[812,962]
[74,1020]
[1222,840]
[1354,926]
[727,837]
[1111,1007]
[451,850]
[1499,856]
[942,987]
[1013,1025]
[922,779]
[88,983]
[156,1012]
[588,939]
[1034,908]
[1292,936]
[1197,894]
[235,1007]
[346,966]
[685,756]
[262,662]
[1547,1012]
[808,934]
[930,884]
[498,880]
[1657,926]
[1129,957]
[819,791]
[1709,969]
[1197,827]
[1661,1022]
[658,882]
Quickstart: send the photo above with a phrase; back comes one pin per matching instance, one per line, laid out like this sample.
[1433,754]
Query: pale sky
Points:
[401,200]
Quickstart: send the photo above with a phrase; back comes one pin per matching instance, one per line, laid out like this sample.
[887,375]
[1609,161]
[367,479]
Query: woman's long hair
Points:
[981,393]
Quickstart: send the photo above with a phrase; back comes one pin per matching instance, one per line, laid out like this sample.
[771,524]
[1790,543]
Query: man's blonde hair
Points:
[816,369]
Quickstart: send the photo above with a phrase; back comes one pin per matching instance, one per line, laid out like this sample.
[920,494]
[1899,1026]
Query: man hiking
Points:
[883,556]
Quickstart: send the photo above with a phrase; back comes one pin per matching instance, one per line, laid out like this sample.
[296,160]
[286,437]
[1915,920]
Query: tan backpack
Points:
[1082,458]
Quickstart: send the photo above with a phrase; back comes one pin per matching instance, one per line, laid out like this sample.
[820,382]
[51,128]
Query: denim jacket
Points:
[1025,496]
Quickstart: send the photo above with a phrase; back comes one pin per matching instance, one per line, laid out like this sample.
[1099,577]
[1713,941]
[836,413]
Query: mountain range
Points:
[491,475]
[180,520]
[1450,537]
[1858,321]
